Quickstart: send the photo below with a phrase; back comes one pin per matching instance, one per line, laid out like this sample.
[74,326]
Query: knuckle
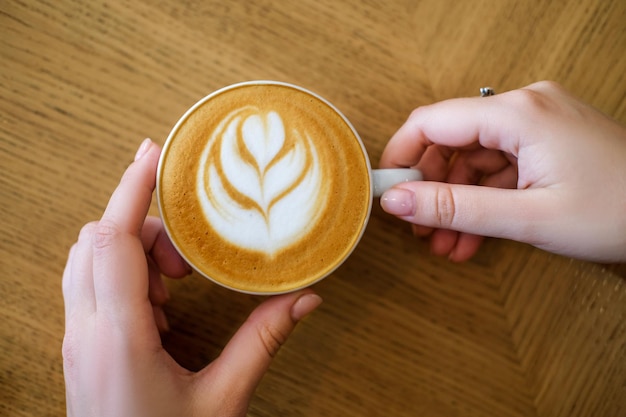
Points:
[87,231]
[529,98]
[537,98]
[445,207]
[271,338]
[104,234]
[546,85]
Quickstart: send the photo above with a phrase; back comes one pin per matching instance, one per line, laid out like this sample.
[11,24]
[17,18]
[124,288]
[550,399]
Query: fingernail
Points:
[399,202]
[143,148]
[304,306]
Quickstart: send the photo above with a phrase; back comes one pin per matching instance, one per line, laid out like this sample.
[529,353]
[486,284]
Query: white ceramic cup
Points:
[379,179]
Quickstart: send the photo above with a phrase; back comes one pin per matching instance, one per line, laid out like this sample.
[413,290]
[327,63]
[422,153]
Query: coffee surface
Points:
[264,187]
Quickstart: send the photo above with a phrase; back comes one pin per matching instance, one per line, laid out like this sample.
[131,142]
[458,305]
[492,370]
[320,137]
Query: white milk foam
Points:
[260,187]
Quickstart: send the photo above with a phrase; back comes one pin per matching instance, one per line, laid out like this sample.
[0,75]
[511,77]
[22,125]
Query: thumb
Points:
[248,355]
[478,210]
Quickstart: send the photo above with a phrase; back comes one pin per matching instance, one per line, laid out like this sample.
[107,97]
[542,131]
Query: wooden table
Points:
[514,332]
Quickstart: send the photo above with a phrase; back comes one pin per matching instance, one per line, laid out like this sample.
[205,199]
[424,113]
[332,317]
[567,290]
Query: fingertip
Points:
[399,202]
[130,201]
[304,306]
[143,149]
[443,242]
[181,271]
[148,151]
[466,247]
[186,268]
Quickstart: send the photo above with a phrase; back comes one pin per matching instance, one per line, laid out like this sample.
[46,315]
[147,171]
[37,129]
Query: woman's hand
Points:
[552,172]
[114,362]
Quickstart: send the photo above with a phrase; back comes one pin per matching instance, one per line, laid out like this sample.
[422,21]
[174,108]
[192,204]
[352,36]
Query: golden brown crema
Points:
[264,187]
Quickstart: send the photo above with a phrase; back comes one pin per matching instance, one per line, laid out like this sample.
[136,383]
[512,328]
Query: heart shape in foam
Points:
[263,138]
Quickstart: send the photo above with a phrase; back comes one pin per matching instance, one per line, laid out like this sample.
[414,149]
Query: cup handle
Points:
[384,179]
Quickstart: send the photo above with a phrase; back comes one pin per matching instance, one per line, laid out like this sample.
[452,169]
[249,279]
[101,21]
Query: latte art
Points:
[260,182]
[264,187]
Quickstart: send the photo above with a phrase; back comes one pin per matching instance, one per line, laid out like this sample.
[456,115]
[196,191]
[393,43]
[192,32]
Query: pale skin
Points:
[535,165]
[552,173]
[113,359]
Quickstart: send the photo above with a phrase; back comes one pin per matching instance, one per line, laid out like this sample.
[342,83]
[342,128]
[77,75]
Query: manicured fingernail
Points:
[399,202]
[143,149]
[304,306]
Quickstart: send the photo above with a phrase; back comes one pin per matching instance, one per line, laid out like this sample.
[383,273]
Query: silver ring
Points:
[487,91]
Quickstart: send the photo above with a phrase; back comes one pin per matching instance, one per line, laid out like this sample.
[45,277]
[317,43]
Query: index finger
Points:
[120,269]
[493,122]
[128,207]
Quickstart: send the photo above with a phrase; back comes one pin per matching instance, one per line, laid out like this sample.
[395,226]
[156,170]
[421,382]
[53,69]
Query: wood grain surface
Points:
[514,332]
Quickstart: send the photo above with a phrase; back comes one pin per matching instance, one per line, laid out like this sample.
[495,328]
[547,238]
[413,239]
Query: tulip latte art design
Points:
[264,187]
[260,186]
